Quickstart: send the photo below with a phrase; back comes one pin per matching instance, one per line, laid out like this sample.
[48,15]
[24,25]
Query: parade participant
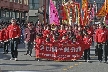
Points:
[62,30]
[14,35]
[87,43]
[39,40]
[64,40]
[79,37]
[56,43]
[89,31]
[47,31]
[95,44]
[6,40]
[101,38]
[1,35]
[75,29]
[29,37]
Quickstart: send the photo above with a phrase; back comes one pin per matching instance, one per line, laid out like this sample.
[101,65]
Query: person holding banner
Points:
[39,41]
[87,43]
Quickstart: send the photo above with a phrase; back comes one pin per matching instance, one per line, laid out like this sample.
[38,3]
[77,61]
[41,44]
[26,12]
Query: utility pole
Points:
[44,11]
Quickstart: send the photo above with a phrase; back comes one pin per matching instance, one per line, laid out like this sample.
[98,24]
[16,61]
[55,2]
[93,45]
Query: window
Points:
[20,1]
[30,6]
[16,1]
[33,4]
[36,1]
[30,1]
[26,2]
[10,14]
[17,15]
[11,0]
[7,14]
[3,14]
[13,14]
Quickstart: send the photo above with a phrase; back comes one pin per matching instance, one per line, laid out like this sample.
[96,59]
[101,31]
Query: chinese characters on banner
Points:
[64,53]
[53,14]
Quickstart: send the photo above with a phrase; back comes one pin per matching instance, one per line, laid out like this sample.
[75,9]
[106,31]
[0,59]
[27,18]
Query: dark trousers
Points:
[29,47]
[87,54]
[101,46]
[14,47]
[96,49]
[105,52]
[6,47]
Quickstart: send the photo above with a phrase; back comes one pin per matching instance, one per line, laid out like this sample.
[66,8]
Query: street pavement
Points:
[27,63]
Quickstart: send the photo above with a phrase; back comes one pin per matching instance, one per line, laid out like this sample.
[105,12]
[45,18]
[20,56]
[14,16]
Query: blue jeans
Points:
[14,47]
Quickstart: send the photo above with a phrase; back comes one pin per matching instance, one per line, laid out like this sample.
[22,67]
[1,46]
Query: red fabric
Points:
[1,35]
[65,41]
[76,32]
[56,43]
[6,35]
[63,14]
[46,32]
[101,35]
[62,32]
[90,32]
[38,44]
[79,38]
[14,31]
[87,42]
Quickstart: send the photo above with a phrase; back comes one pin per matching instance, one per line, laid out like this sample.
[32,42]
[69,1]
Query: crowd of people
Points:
[34,36]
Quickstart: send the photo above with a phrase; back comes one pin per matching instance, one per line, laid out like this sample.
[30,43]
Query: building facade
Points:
[34,7]
[13,9]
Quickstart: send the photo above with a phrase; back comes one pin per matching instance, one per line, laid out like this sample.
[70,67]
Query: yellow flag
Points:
[106,5]
[84,4]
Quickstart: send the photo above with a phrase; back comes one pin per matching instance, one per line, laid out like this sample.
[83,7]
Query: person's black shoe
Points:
[25,54]
[105,62]
[7,51]
[4,53]
[100,61]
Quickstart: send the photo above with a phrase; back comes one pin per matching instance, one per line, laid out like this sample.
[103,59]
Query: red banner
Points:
[63,53]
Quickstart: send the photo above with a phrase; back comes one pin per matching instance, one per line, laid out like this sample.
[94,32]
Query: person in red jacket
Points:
[87,42]
[101,38]
[39,40]
[14,35]
[1,35]
[46,31]
[6,40]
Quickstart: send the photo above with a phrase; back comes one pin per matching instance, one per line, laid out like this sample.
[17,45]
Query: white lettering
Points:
[66,49]
[54,49]
[41,47]
[48,48]
[72,49]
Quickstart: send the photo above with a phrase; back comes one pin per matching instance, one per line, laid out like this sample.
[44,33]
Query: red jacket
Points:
[46,32]
[79,38]
[90,32]
[1,35]
[14,31]
[62,32]
[87,42]
[101,35]
[6,35]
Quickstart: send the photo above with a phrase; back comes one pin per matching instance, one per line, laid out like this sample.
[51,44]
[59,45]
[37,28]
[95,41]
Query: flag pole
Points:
[45,12]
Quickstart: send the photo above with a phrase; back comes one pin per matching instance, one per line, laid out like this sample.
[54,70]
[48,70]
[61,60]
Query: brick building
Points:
[13,9]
